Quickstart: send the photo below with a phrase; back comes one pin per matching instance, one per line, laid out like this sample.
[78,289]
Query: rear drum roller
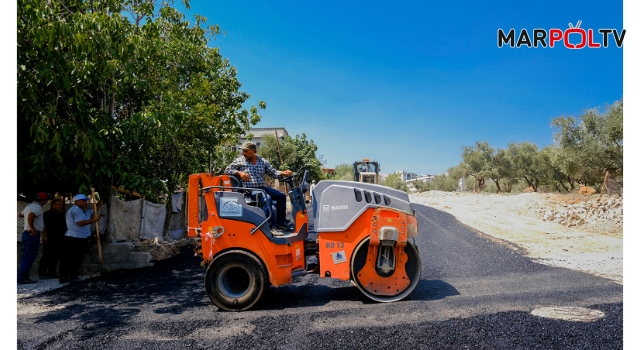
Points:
[235,280]
[412,268]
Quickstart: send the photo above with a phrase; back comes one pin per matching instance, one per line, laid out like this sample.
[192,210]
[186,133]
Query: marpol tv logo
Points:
[572,38]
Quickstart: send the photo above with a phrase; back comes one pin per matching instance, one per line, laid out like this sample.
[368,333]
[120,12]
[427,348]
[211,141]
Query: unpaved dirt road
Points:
[473,293]
[512,219]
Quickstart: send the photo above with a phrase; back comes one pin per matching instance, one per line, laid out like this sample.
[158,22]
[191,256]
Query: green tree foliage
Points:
[461,170]
[501,169]
[298,155]
[527,163]
[550,173]
[591,144]
[395,181]
[420,186]
[442,182]
[484,162]
[478,159]
[122,90]
[343,172]
[585,149]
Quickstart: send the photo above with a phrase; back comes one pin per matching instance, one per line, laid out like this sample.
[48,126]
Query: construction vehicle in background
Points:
[356,231]
[366,171]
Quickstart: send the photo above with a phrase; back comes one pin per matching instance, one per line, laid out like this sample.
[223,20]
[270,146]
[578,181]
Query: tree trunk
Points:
[565,187]
[497,185]
[480,185]
[507,187]
[571,183]
[557,188]
[528,182]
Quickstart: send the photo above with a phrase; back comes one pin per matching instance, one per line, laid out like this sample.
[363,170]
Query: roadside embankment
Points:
[580,232]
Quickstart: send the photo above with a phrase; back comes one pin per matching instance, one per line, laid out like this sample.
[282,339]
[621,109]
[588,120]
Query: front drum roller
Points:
[235,280]
[412,268]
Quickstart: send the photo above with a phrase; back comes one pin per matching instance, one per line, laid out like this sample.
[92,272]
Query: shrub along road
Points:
[473,293]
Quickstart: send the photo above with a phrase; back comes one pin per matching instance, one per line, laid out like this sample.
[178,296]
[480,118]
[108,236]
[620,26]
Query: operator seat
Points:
[250,197]
[235,182]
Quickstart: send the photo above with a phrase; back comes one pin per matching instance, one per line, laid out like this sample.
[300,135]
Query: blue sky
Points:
[409,84]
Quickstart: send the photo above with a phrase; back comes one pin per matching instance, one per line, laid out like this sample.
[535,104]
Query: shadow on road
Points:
[318,295]
[432,290]
[174,286]
[290,296]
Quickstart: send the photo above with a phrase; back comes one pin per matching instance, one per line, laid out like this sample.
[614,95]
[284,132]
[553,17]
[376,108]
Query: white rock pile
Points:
[605,211]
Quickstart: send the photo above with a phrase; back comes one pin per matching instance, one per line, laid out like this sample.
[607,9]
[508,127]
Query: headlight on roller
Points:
[412,226]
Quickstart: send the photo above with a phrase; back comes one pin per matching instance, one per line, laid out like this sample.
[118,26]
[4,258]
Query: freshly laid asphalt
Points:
[474,293]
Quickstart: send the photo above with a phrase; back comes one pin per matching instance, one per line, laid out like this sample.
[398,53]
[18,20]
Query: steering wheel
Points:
[289,178]
[304,185]
[236,181]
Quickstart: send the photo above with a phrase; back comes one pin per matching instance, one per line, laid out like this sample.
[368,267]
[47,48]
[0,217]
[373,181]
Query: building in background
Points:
[423,178]
[406,176]
[258,134]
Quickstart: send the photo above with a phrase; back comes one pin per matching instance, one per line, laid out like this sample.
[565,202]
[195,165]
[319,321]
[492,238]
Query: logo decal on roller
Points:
[339,257]
[335,207]
[230,207]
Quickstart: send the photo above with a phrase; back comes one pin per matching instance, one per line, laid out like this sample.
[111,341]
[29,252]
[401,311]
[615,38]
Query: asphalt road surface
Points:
[474,293]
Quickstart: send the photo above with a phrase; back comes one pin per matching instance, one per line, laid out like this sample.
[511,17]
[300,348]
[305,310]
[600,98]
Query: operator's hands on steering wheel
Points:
[244,176]
[286,173]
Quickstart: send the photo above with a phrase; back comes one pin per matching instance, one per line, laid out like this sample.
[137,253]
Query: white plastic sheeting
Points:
[153,216]
[124,221]
[176,226]
[176,202]
[102,223]
[176,233]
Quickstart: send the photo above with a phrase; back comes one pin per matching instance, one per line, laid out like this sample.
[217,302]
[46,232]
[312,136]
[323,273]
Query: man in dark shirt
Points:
[55,227]
[251,168]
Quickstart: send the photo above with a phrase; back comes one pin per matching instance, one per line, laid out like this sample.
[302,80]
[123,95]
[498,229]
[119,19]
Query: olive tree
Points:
[343,172]
[478,158]
[591,145]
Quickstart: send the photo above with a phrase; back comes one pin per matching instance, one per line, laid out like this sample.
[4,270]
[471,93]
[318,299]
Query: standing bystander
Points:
[55,228]
[33,226]
[313,185]
[78,219]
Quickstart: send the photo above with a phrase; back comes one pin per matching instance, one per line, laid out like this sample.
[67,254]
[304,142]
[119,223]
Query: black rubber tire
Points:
[235,280]
[413,268]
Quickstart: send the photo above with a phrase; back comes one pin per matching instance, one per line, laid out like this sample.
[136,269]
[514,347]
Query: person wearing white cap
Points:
[79,218]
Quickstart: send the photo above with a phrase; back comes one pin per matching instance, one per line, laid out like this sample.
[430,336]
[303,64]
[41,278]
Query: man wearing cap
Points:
[78,218]
[251,168]
[33,226]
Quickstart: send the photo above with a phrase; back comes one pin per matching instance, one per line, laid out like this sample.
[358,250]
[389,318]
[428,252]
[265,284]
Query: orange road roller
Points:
[355,231]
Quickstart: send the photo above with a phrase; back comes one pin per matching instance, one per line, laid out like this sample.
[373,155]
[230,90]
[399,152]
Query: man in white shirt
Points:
[79,218]
[313,185]
[33,226]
